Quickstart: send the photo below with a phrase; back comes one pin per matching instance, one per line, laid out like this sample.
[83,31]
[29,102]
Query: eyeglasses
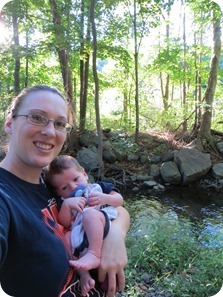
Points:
[42,120]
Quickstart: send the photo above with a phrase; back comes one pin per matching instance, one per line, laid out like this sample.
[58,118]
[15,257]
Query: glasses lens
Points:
[37,119]
[62,126]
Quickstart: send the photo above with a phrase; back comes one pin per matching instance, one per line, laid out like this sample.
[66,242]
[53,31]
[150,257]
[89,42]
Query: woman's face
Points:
[32,145]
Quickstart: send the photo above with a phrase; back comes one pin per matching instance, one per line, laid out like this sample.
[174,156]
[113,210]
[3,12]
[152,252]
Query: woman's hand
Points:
[114,255]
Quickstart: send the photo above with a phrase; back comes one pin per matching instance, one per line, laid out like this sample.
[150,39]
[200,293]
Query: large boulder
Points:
[192,164]
[88,158]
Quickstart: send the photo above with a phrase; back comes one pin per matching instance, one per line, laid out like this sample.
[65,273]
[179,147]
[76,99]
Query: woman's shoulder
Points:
[6,180]
[4,174]
[12,187]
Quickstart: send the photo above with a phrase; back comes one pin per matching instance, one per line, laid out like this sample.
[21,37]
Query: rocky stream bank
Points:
[155,163]
[160,160]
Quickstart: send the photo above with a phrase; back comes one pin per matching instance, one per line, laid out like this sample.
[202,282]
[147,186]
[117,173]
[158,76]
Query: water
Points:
[202,207]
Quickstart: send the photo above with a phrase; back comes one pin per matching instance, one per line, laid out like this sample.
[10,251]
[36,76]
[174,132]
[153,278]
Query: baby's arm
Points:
[113,199]
[69,204]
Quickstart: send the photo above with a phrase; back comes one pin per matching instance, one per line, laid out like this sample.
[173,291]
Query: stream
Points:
[200,206]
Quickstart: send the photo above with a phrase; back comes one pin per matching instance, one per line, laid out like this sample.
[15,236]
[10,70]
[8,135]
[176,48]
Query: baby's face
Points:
[67,181]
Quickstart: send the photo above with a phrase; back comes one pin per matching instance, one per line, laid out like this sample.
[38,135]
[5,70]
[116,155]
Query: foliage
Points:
[175,260]
[157,54]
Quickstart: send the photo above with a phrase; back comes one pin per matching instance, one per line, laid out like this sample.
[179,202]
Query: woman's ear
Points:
[8,126]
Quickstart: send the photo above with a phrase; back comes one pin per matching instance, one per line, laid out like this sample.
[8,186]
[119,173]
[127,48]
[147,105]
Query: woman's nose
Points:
[49,129]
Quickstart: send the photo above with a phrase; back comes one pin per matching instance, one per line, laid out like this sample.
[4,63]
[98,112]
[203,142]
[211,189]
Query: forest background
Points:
[127,65]
[132,66]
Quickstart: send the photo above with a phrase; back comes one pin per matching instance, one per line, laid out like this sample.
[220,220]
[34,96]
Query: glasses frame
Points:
[67,129]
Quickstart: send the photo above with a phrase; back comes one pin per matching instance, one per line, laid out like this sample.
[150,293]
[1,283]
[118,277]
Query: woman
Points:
[34,258]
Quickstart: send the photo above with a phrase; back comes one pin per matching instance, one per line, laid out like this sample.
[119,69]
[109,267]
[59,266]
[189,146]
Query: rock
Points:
[217,171]
[133,178]
[144,159]
[88,138]
[169,156]
[161,187]
[133,157]
[195,144]
[88,159]
[155,170]
[170,173]
[146,277]
[155,159]
[150,183]
[119,153]
[109,156]
[220,146]
[135,189]
[143,177]
[192,164]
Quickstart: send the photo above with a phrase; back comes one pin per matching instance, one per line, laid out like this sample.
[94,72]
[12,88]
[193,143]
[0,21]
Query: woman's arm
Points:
[114,255]
[4,230]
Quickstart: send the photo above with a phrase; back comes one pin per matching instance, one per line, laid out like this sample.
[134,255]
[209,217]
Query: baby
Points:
[86,209]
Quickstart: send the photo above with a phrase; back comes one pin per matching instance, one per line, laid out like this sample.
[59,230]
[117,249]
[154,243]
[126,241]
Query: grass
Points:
[174,260]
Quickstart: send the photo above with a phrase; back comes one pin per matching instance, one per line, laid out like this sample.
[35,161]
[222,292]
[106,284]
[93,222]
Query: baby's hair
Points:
[58,165]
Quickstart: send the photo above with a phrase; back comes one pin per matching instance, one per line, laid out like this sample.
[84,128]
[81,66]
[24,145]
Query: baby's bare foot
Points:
[87,283]
[87,262]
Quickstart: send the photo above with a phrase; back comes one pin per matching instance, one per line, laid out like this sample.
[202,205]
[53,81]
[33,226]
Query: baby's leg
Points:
[93,223]
[86,281]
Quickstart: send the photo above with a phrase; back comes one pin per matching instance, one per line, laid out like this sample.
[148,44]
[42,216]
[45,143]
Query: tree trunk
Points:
[84,69]
[205,128]
[136,78]
[66,72]
[16,52]
[27,61]
[96,84]
[198,58]
[62,51]
[199,76]
[27,53]
[165,90]
[184,74]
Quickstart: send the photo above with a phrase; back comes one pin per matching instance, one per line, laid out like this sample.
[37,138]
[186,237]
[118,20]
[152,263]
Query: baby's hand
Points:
[97,198]
[75,203]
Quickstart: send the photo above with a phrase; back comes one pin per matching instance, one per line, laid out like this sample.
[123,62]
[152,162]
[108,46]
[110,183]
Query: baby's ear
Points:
[85,174]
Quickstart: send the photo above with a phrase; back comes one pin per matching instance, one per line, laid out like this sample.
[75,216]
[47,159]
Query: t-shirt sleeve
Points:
[4,229]
[108,187]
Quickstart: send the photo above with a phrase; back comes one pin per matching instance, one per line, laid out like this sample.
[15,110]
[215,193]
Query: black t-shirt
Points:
[34,260]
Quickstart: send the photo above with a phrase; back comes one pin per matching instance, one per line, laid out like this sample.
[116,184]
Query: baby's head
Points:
[64,174]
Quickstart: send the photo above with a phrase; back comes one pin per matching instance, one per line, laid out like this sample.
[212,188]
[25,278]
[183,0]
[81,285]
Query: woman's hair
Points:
[58,165]
[18,100]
